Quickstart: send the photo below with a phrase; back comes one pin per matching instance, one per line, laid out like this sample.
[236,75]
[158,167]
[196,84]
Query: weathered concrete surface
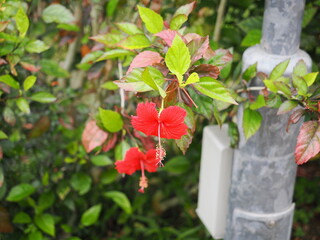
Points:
[263,175]
[282,26]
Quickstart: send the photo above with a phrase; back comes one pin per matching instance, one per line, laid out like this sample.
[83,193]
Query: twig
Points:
[122,96]
[219,21]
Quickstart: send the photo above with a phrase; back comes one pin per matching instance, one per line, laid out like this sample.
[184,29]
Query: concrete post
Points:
[263,174]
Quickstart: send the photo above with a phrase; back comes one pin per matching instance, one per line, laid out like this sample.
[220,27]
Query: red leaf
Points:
[2,61]
[67,121]
[167,36]
[191,36]
[308,144]
[1,153]
[93,136]
[147,142]
[144,59]
[207,70]
[5,225]
[222,56]
[40,127]
[30,67]
[110,143]
[186,9]
[198,47]
[295,117]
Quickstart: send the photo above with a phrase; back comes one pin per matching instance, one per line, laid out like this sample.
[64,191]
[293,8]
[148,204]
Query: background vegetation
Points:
[50,188]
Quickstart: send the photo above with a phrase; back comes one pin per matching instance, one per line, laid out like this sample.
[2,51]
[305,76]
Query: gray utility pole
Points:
[264,171]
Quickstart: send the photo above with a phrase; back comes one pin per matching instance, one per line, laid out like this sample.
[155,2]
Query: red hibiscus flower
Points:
[136,160]
[169,123]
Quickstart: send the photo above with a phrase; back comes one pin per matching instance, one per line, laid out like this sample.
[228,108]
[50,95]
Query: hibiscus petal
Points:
[151,162]
[146,120]
[172,123]
[131,162]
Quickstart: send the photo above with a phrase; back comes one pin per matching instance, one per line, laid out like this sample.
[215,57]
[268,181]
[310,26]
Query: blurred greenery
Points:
[50,188]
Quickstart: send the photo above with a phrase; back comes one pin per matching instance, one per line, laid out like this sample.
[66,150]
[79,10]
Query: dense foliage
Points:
[65,122]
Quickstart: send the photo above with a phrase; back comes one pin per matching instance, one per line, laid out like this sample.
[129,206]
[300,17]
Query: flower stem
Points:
[122,96]
[188,96]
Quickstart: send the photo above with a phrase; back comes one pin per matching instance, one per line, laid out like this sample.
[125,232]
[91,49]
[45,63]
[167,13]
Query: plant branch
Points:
[122,96]
[219,21]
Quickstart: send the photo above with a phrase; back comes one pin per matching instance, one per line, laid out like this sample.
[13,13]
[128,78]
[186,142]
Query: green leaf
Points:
[81,182]
[121,150]
[111,120]
[300,69]
[9,116]
[22,22]
[279,70]
[8,80]
[287,106]
[21,218]
[184,142]
[120,199]
[129,28]
[109,176]
[281,86]
[43,97]
[91,57]
[269,84]
[73,238]
[285,80]
[133,82]
[251,122]
[52,68]
[300,84]
[20,192]
[310,78]
[111,7]
[233,133]
[216,112]
[29,82]
[108,39]
[68,27]
[274,101]
[178,57]
[250,23]
[91,215]
[214,89]
[35,235]
[250,72]
[63,189]
[46,223]
[7,38]
[57,13]
[23,105]
[259,103]
[153,79]
[152,20]
[177,165]
[115,53]
[46,200]
[110,86]
[136,41]
[36,46]
[308,15]
[177,21]
[193,78]
[101,160]
[3,135]
[253,37]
